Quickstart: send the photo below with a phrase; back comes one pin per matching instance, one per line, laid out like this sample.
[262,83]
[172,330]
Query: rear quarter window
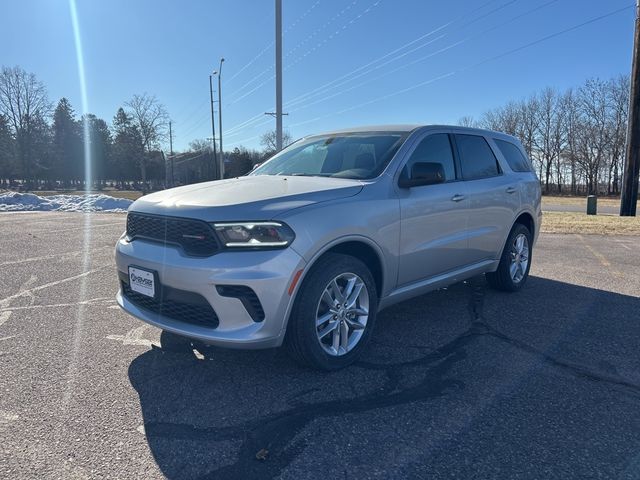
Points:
[516,160]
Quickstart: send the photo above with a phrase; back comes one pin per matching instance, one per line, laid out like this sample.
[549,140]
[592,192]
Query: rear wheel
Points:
[513,270]
[334,313]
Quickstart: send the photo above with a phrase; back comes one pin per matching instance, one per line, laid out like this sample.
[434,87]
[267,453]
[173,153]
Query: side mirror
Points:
[423,173]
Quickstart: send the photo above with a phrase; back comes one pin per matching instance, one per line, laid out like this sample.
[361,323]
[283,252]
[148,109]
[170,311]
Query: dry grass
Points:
[580,201]
[573,222]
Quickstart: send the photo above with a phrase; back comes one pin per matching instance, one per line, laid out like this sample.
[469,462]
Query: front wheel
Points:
[513,270]
[334,313]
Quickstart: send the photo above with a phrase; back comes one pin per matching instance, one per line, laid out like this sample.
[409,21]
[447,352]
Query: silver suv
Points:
[310,246]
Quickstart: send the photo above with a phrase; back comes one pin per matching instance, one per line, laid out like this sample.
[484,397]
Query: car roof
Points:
[374,128]
[407,128]
[472,130]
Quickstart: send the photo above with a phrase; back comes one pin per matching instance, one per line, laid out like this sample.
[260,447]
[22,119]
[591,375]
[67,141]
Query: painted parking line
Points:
[134,336]
[94,302]
[604,261]
[5,303]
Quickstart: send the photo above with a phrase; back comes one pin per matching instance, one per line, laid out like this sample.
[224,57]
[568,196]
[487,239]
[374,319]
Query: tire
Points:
[314,346]
[170,342]
[503,278]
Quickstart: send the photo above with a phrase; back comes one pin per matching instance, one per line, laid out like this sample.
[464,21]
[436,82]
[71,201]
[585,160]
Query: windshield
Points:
[353,155]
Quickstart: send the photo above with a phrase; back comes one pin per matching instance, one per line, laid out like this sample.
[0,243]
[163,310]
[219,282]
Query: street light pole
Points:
[220,117]
[213,131]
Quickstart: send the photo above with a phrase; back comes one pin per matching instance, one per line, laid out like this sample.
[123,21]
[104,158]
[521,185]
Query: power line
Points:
[271,44]
[262,52]
[472,66]
[335,33]
[415,61]
[324,87]
[548,37]
[322,90]
[319,29]
[300,58]
[528,12]
[316,91]
[362,74]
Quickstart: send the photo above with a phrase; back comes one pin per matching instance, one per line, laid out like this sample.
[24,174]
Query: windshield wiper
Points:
[309,174]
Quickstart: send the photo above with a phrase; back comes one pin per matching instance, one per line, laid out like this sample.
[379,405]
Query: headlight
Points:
[254,234]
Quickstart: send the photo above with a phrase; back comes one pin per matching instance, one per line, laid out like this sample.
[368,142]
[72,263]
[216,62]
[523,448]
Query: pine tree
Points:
[127,148]
[67,143]
[99,148]
[7,151]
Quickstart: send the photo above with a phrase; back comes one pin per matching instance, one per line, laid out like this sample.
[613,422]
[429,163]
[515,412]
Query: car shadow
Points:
[214,413]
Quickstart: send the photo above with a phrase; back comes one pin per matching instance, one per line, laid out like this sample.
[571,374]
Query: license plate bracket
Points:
[143,281]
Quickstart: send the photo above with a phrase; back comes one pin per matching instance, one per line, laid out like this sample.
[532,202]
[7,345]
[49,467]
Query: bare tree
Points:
[200,145]
[528,126]
[151,119]
[549,139]
[504,119]
[268,141]
[571,113]
[25,105]
[594,137]
[574,138]
[467,121]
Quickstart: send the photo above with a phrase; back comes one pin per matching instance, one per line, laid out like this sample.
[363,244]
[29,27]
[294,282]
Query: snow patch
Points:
[19,202]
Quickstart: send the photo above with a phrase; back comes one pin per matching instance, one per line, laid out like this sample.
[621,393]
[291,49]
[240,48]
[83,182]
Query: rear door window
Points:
[516,160]
[476,157]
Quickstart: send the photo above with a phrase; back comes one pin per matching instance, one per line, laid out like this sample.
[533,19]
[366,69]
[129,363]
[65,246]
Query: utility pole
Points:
[170,153]
[213,132]
[279,75]
[629,196]
[220,117]
[167,170]
[170,139]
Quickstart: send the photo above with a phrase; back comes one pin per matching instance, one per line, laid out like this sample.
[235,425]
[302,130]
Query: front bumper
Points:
[268,273]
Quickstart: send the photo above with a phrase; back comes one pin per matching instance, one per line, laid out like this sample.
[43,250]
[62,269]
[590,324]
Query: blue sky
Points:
[340,68]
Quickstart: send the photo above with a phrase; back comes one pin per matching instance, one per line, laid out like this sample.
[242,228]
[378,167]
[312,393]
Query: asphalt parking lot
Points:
[460,383]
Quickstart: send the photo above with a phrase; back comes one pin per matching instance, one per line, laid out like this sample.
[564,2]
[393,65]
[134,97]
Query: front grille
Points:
[248,298]
[194,236]
[188,307]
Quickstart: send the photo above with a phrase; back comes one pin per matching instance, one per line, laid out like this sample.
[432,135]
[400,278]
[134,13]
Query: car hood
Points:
[260,197]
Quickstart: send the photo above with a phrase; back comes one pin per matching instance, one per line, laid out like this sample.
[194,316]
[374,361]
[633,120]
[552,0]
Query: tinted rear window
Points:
[516,160]
[476,157]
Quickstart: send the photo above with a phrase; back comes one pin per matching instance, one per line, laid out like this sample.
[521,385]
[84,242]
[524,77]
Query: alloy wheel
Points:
[519,258]
[342,314]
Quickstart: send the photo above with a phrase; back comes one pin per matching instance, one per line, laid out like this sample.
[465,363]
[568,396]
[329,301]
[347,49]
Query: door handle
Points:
[511,190]
[458,198]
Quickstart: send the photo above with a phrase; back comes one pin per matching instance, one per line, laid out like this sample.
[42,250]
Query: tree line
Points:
[43,146]
[575,138]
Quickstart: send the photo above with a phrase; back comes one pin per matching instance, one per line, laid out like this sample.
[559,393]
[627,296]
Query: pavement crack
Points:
[576,369]
[276,433]
[481,326]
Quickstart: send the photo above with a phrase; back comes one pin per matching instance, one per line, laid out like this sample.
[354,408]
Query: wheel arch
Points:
[523,218]
[364,252]
[526,219]
[360,247]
